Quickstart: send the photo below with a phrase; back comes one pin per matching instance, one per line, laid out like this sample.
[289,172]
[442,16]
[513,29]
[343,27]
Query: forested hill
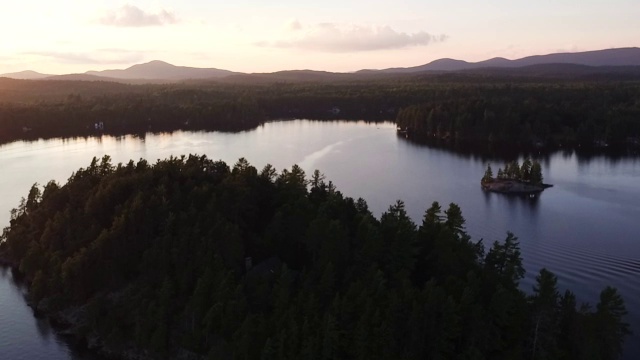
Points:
[189,257]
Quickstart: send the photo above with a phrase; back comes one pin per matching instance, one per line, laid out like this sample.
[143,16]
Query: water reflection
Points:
[530,202]
[25,336]
[44,329]
[574,229]
[488,152]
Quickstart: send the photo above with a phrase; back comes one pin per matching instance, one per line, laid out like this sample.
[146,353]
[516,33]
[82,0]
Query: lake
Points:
[24,337]
[586,229]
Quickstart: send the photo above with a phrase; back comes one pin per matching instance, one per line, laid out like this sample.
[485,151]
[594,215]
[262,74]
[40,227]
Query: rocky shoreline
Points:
[72,323]
[8,263]
[513,187]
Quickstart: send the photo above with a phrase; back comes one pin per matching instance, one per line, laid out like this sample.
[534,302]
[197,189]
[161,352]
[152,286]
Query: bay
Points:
[585,229]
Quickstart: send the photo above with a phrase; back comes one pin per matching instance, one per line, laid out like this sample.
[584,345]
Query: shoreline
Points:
[69,322]
[513,187]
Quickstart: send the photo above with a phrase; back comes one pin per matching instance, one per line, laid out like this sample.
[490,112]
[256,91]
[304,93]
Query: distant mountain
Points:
[80,77]
[25,75]
[160,70]
[618,63]
[436,65]
[609,57]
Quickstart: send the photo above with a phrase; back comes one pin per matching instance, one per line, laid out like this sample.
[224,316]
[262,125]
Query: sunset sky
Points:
[66,36]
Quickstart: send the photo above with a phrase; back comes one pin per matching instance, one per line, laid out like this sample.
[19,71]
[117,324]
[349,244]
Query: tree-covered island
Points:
[515,179]
[190,258]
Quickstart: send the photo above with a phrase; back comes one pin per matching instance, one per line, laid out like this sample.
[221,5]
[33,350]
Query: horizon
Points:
[297,69]
[71,36]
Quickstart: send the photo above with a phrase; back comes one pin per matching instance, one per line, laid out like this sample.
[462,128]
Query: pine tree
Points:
[505,260]
[544,304]
[525,169]
[568,328]
[433,215]
[488,174]
[455,221]
[536,173]
[610,325]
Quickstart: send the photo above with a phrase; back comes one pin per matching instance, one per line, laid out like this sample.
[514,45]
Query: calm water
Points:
[22,336]
[585,229]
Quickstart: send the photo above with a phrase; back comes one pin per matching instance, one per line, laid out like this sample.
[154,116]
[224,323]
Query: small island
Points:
[515,179]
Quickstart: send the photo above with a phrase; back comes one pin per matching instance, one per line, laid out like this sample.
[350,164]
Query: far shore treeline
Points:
[191,258]
[487,110]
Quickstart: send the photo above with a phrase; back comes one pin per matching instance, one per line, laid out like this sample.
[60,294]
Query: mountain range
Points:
[588,62]
[610,57]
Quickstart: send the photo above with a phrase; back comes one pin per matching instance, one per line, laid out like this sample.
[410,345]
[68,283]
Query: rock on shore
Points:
[513,187]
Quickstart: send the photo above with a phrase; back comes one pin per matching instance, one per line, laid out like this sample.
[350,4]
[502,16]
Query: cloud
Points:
[104,56]
[132,16]
[294,25]
[333,37]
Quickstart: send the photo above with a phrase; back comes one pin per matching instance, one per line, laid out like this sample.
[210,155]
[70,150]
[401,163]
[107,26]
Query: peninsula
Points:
[515,179]
[285,267]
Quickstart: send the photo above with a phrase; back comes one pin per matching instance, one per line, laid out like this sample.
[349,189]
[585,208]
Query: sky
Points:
[73,36]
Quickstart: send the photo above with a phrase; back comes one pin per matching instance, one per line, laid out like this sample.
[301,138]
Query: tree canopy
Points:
[530,172]
[189,255]
[490,110]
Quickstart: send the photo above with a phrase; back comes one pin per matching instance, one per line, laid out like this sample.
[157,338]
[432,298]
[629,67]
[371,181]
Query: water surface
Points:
[23,336]
[585,229]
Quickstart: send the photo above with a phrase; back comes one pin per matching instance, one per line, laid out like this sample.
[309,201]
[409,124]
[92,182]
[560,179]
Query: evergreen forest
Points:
[530,172]
[193,258]
[482,110]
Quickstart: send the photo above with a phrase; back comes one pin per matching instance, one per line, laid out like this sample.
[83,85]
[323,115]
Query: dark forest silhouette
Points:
[191,256]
